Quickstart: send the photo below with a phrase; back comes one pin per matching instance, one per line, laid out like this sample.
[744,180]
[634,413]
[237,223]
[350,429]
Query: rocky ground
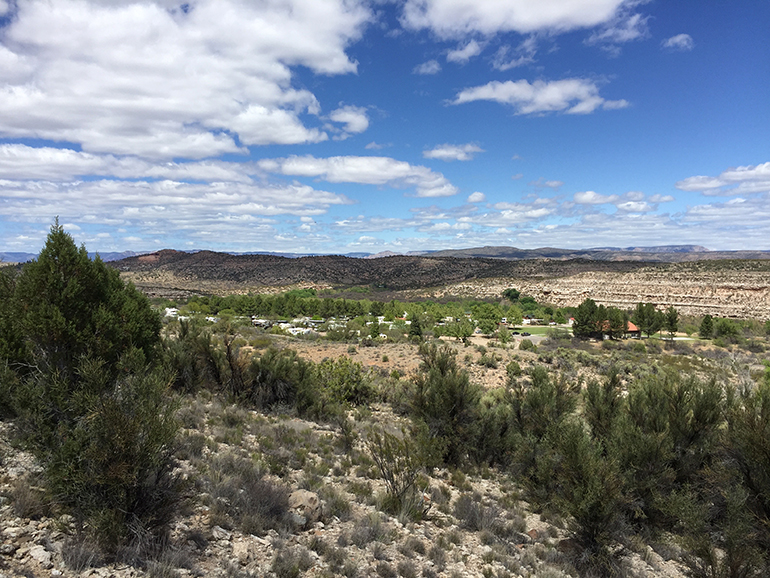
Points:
[476,524]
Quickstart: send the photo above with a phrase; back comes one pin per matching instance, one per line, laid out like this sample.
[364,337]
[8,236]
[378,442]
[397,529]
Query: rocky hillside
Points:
[738,289]
[326,515]
[397,272]
[728,288]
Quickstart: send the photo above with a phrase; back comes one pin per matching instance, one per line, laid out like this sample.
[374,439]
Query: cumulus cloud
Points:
[239,212]
[143,78]
[634,207]
[18,161]
[477,197]
[682,42]
[353,118]
[449,152]
[571,96]
[742,180]
[509,214]
[465,53]
[594,198]
[427,68]
[459,18]
[364,170]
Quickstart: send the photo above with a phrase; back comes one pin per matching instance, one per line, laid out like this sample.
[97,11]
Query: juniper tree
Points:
[446,401]
[91,406]
[706,329]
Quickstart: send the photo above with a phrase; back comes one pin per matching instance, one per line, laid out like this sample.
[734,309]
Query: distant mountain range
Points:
[656,254]
[11,257]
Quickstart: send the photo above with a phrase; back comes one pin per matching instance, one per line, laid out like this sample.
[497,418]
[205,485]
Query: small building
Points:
[633,331]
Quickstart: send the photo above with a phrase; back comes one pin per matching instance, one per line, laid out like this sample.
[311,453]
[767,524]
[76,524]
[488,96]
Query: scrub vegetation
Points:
[160,439]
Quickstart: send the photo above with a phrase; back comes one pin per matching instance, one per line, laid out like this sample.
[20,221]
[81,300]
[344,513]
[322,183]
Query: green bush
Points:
[195,359]
[726,329]
[399,464]
[344,381]
[280,376]
[537,413]
[527,345]
[108,455]
[591,493]
[493,445]
[446,402]
[513,370]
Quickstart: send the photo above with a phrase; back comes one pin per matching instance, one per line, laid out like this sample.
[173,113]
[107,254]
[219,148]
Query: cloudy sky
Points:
[336,126]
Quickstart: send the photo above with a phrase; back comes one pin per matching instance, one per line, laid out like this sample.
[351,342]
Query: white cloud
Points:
[459,18]
[543,183]
[213,212]
[448,152]
[661,199]
[594,198]
[634,196]
[353,117]
[735,181]
[507,58]
[427,68]
[634,207]
[142,78]
[365,170]
[477,197]
[682,42]
[624,28]
[18,161]
[508,214]
[464,54]
[571,96]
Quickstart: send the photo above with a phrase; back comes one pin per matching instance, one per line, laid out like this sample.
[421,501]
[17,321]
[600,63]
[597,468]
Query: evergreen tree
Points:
[671,321]
[706,329]
[91,405]
[586,318]
[512,294]
[68,306]
[647,318]
[617,322]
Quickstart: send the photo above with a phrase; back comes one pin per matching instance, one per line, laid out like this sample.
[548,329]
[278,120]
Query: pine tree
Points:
[671,321]
[585,319]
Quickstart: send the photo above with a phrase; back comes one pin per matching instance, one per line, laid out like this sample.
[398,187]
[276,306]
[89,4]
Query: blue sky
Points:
[336,126]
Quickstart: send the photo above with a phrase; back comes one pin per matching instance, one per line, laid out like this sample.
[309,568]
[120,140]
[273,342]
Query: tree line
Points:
[592,320]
